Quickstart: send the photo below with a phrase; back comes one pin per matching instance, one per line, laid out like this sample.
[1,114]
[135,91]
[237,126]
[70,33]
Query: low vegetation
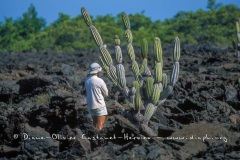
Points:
[30,33]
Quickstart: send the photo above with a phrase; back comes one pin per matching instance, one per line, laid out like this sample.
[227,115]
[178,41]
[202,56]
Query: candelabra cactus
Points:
[150,89]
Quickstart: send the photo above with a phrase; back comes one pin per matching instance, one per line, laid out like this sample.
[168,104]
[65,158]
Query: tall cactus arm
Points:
[176,56]
[129,36]
[130,49]
[238,30]
[96,36]
[86,17]
[135,68]
[131,53]
[144,48]
[126,20]
[103,64]
[144,53]
[106,68]
[158,50]
[238,39]
[106,56]
[113,72]
[176,51]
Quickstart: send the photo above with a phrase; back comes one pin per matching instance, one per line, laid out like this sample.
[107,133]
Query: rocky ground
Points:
[43,112]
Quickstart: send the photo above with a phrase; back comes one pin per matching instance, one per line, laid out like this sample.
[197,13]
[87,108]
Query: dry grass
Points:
[43,99]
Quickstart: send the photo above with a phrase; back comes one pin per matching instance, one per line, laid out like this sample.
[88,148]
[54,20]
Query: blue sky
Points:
[155,9]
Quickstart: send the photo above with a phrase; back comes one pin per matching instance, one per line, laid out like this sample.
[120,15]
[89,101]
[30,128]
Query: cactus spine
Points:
[156,87]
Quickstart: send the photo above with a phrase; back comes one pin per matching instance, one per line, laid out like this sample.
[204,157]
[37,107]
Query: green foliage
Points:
[43,99]
[30,33]
[212,5]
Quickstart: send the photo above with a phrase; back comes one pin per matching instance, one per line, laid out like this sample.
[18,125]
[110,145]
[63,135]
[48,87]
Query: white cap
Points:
[95,68]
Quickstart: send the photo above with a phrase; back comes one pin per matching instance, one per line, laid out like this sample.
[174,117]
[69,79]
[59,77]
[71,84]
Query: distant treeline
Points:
[31,34]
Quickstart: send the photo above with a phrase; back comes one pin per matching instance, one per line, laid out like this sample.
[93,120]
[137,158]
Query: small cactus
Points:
[149,90]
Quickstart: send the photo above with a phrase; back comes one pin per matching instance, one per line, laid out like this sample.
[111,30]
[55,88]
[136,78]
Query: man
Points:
[96,89]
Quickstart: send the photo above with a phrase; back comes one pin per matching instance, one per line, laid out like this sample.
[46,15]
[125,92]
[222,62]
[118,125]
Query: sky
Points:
[155,9]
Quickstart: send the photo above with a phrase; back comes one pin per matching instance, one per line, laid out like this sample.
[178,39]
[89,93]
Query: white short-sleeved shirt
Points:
[96,89]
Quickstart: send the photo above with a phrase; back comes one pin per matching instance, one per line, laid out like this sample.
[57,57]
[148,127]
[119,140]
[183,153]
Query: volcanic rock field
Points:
[43,110]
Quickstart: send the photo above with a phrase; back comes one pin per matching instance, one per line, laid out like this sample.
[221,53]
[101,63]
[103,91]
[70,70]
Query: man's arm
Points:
[104,88]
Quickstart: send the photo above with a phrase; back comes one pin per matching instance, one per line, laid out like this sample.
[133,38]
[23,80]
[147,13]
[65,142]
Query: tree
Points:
[30,23]
[212,5]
